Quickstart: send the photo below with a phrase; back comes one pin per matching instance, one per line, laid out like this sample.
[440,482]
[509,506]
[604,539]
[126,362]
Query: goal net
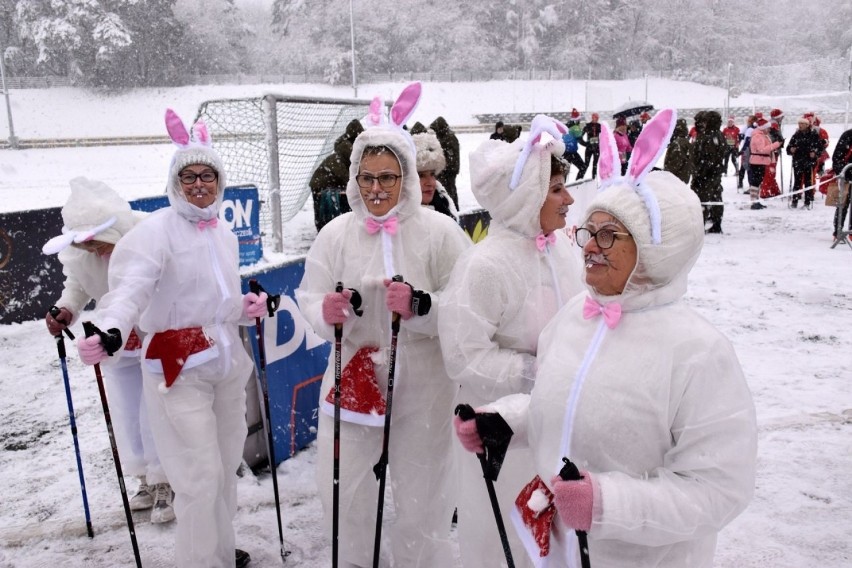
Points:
[276,142]
[831,107]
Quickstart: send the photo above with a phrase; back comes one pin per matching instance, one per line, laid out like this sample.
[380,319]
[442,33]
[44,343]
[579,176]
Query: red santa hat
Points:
[816,121]
[776,114]
[361,400]
[644,117]
[575,116]
[762,123]
[533,517]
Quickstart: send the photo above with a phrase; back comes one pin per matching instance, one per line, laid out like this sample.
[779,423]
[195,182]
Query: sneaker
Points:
[758,205]
[163,510]
[143,498]
[243,558]
[794,204]
[715,229]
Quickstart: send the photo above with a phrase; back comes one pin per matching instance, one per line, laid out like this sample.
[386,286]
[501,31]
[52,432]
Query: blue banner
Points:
[240,210]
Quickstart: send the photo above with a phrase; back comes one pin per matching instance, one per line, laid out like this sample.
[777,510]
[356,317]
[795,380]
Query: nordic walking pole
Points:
[109,342]
[381,468]
[569,472]
[466,412]
[60,347]
[271,305]
[335,482]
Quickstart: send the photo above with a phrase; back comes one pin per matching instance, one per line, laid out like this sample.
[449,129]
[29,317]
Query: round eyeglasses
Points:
[366,181]
[188,178]
[604,238]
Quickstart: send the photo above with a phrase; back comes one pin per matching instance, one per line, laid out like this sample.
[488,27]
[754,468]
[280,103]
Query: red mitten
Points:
[336,306]
[91,350]
[398,298]
[468,435]
[254,306]
[574,501]
[55,325]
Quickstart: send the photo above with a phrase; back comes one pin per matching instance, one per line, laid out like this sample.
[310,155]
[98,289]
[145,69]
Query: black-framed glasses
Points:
[605,238]
[188,178]
[366,181]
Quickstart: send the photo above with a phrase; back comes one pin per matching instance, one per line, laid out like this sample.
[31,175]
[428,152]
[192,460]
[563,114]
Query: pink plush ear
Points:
[404,106]
[177,131]
[374,117]
[651,143]
[199,129]
[609,155]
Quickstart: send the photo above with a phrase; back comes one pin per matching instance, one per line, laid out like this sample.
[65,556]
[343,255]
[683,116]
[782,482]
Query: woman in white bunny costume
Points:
[176,274]
[636,388]
[501,294]
[363,249]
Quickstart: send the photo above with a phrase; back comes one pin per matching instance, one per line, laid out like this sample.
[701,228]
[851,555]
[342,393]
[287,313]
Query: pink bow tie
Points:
[611,312]
[212,223]
[543,240]
[389,226]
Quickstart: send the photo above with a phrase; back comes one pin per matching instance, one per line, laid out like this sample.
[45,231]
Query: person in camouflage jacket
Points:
[677,159]
[707,156]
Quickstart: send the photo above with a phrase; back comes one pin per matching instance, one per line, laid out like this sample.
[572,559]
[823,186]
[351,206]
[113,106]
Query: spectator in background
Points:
[643,118]
[762,155]
[731,133]
[677,160]
[805,147]
[328,183]
[745,151]
[707,156]
[622,142]
[769,187]
[840,158]
[512,132]
[823,136]
[450,144]
[498,131]
[634,129]
[592,135]
[430,163]
[572,139]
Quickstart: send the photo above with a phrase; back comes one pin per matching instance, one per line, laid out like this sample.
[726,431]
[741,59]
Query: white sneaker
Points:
[163,511]
[144,497]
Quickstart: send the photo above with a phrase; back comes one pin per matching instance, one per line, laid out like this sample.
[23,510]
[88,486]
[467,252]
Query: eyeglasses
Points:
[604,238]
[188,178]
[366,181]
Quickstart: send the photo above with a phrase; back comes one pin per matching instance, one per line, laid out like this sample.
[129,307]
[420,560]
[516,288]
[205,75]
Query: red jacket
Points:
[732,136]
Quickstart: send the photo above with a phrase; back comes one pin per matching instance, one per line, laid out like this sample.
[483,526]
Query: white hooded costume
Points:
[171,273]
[423,250]
[501,294]
[95,211]
[657,408]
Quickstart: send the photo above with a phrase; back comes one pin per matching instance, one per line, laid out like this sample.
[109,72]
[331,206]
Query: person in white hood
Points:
[501,294]
[641,392]
[387,233]
[177,275]
[94,219]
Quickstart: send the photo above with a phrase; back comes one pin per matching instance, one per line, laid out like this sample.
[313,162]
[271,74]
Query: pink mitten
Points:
[574,501]
[254,306]
[335,307]
[55,325]
[468,435]
[398,298]
[91,350]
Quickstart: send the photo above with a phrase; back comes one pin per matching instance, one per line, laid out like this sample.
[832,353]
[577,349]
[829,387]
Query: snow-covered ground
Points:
[770,283]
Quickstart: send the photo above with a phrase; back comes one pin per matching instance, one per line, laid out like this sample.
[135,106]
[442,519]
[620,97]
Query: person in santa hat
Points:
[177,274]
[489,346]
[572,140]
[824,139]
[662,425]
[769,186]
[745,149]
[387,233]
[731,133]
[804,148]
[591,135]
[762,154]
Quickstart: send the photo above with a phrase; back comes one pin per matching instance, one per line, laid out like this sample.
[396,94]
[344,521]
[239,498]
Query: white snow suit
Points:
[424,251]
[170,274]
[656,409]
[501,294]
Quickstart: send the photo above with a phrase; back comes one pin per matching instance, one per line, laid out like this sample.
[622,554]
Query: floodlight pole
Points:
[352,39]
[849,94]
[13,141]
[728,98]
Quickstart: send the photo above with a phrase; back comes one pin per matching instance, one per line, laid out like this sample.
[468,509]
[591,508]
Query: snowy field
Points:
[770,283]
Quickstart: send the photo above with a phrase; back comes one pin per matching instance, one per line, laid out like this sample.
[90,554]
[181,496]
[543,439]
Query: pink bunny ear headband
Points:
[649,147]
[540,124]
[401,110]
[179,134]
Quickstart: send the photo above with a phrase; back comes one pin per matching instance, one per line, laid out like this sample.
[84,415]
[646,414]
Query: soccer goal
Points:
[275,142]
[831,107]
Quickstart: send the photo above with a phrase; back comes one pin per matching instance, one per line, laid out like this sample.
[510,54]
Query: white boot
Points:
[144,497]
[163,511]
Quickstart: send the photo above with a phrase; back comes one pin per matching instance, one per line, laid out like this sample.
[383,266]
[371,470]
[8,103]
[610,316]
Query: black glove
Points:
[110,339]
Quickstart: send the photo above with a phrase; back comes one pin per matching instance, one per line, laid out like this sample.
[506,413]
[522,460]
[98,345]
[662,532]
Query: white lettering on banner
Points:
[240,213]
[301,331]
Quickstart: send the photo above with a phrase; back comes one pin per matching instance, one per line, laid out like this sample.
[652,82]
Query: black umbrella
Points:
[632,108]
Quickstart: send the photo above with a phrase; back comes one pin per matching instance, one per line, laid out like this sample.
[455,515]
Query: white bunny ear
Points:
[651,144]
[406,103]
[608,160]
[58,243]
[539,125]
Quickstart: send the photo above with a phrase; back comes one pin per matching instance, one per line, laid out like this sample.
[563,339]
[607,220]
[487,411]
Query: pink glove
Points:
[254,306]
[467,435]
[398,298]
[55,325]
[336,307]
[574,500]
[91,350]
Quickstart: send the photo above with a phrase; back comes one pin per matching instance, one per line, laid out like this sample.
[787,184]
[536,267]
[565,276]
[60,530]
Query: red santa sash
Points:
[173,348]
[533,518]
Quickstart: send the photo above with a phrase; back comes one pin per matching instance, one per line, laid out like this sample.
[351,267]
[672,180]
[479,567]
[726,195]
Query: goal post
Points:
[275,142]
